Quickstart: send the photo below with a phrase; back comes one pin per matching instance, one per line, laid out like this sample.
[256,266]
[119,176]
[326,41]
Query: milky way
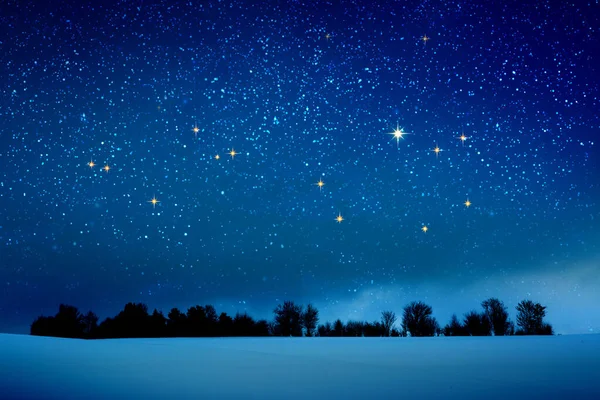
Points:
[171,153]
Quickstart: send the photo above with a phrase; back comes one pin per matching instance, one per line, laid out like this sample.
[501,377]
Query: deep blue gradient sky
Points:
[302,91]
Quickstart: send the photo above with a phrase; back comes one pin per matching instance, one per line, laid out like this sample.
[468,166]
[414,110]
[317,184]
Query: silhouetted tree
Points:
[212,320]
[310,319]
[43,326]
[353,329]
[455,328]
[530,319]
[176,323]
[274,329]
[108,329]
[90,324]
[387,320]
[68,322]
[288,319]
[261,328]
[338,328]
[325,330]
[157,324]
[418,321]
[477,324]
[438,329]
[225,325]
[243,325]
[196,321]
[546,329]
[132,322]
[374,329]
[497,316]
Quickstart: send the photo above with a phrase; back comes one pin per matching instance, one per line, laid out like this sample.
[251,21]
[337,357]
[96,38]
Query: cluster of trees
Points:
[494,320]
[290,319]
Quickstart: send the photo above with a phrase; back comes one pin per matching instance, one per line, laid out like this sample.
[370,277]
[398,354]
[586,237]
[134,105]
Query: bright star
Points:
[196,129]
[154,201]
[425,38]
[425,229]
[339,218]
[437,150]
[106,168]
[463,138]
[320,184]
[468,203]
[232,153]
[217,157]
[398,134]
[91,164]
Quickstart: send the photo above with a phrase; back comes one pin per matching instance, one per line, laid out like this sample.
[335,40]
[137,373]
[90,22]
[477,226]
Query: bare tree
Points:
[530,319]
[354,329]
[477,324]
[454,328]
[90,324]
[288,319]
[417,320]
[497,315]
[325,330]
[338,328]
[310,319]
[388,318]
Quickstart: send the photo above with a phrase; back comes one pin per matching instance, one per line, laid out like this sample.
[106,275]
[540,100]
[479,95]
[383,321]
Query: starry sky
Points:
[228,114]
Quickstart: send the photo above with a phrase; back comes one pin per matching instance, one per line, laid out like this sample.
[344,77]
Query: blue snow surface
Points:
[553,367]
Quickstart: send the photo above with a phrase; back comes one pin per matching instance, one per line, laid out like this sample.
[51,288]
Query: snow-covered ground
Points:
[560,367]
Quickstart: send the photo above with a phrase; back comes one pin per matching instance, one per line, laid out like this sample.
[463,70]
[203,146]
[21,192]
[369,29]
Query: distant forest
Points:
[290,319]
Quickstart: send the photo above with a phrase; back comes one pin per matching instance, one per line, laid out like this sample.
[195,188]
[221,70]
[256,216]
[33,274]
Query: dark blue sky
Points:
[302,91]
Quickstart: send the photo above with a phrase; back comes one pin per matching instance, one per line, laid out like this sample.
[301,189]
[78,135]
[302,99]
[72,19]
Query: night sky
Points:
[229,113]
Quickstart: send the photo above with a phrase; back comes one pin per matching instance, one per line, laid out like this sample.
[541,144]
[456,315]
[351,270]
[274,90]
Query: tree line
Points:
[290,319]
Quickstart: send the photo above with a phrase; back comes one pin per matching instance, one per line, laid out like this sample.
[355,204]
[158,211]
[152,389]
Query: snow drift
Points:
[301,368]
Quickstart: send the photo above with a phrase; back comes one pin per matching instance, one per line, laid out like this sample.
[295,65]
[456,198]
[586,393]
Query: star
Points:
[462,138]
[468,203]
[320,184]
[106,168]
[91,164]
[154,201]
[327,36]
[398,134]
[232,153]
[425,228]
[217,157]
[339,218]
[437,150]
[196,130]
[425,38]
